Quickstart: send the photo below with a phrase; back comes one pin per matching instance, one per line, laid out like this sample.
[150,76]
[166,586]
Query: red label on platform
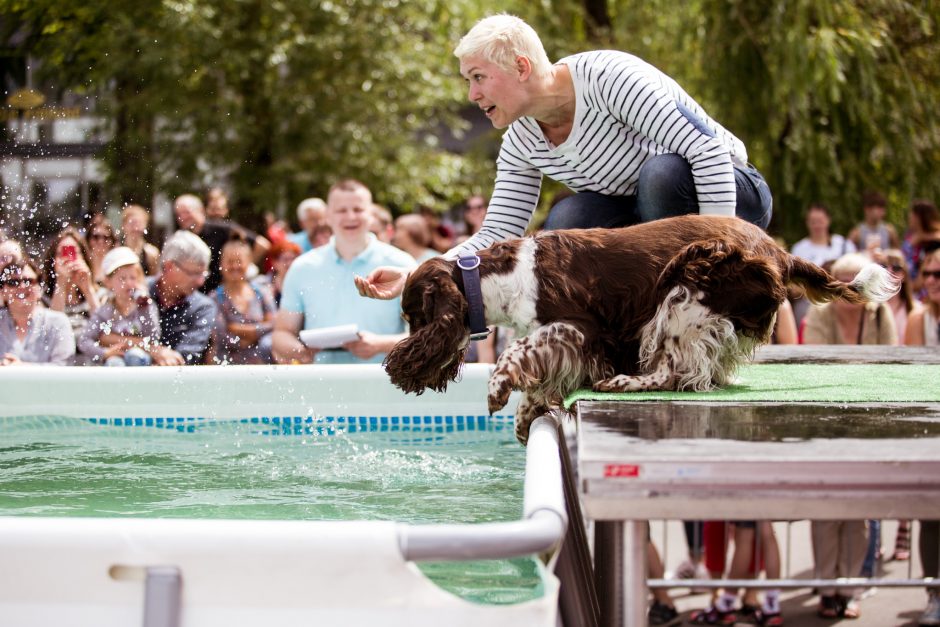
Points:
[621,470]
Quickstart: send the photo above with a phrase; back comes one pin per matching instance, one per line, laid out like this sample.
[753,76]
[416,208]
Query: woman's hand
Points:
[384,283]
[78,272]
[80,275]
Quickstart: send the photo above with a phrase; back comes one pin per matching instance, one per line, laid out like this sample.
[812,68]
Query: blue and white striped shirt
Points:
[626,112]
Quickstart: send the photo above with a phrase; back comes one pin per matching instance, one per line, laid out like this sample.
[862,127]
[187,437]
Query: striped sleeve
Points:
[652,104]
[515,195]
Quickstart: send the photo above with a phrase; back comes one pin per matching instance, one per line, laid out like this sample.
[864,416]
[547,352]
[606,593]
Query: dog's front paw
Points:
[500,387]
[507,375]
[522,430]
[526,413]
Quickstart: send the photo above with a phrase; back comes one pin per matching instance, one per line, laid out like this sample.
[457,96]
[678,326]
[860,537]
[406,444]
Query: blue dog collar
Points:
[469,266]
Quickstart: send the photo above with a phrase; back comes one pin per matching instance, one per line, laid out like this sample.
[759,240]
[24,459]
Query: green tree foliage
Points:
[832,97]
[283,97]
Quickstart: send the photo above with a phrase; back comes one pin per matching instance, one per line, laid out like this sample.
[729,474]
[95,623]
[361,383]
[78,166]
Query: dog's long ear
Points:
[431,356]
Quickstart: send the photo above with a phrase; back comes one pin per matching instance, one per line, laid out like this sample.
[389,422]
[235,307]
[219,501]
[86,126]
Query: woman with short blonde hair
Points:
[500,39]
[622,135]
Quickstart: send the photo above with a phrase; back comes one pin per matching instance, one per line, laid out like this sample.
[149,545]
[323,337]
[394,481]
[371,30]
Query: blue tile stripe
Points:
[323,424]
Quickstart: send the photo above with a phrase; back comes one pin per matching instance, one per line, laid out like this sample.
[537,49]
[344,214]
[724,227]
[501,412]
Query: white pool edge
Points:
[39,552]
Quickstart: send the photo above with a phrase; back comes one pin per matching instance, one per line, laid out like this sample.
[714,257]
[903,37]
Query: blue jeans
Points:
[665,189]
[874,544]
[132,357]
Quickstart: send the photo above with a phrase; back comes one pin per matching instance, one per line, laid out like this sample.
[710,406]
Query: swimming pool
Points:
[236,454]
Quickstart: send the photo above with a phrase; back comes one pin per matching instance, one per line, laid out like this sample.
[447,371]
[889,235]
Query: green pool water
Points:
[293,470]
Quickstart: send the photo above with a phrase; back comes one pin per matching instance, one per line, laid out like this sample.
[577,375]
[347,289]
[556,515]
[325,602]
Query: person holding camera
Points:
[69,284]
[126,325]
[30,333]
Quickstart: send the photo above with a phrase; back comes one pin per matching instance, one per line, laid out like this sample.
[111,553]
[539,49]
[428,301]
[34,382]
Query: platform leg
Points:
[635,538]
[620,571]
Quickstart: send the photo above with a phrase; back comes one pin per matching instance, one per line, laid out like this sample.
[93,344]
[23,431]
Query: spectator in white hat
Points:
[123,330]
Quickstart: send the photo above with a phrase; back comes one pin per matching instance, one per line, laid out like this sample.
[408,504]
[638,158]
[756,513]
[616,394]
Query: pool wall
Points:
[234,572]
[221,392]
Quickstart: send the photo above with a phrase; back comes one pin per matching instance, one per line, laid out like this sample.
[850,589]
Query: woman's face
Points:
[21,291]
[475,212]
[234,262]
[817,223]
[931,278]
[892,263]
[133,223]
[283,262]
[100,239]
[498,93]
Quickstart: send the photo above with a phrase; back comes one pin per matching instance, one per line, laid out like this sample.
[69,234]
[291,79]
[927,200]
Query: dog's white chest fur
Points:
[510,298]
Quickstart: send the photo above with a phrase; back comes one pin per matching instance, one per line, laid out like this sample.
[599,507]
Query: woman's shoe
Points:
[663,615]
[931,615]
[713,616]
[829,606]
[766,619]
[901,555]
[902,542]
[851,609]
[749,613]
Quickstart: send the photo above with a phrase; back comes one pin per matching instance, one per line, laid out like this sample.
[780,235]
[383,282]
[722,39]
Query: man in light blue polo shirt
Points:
[319,290]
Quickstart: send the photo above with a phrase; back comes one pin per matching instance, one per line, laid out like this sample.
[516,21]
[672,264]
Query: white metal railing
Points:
[541,528]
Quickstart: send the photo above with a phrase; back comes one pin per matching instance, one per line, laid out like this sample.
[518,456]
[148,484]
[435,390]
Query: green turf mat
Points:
[821,383]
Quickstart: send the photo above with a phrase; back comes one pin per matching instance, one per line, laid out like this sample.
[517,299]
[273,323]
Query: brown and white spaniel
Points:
[675,304]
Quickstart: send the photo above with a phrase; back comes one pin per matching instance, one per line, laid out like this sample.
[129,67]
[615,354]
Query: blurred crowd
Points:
[216,292]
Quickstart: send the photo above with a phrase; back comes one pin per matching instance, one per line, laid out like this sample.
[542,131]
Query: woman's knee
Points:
[568,213]
[665,188]
[662,172]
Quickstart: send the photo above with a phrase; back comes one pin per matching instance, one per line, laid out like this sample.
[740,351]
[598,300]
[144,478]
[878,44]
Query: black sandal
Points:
[829,606]
[713,616]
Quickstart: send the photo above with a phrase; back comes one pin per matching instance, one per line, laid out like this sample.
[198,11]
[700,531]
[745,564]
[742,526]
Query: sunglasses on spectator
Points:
[19,282]
[476,206]
[893,267]
[930,273]
[100,236]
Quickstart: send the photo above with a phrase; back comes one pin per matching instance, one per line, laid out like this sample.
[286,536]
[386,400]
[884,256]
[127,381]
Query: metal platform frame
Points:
[625,481]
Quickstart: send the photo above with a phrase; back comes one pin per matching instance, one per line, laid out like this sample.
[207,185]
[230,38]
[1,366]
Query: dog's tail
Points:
[872,284]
